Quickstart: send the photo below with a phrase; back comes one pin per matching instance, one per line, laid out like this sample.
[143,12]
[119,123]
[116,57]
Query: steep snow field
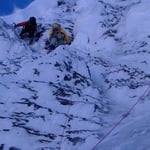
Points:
[91,95]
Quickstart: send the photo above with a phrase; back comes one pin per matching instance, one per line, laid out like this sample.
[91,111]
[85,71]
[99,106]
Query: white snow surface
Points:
[74,97]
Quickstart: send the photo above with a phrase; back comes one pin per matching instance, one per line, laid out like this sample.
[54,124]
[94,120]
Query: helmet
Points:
[32,19]
[56,26]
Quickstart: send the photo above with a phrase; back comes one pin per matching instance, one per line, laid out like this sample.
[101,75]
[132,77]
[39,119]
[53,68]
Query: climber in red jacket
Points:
[29,27]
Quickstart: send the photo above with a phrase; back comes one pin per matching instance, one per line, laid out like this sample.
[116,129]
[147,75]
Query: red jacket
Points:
[21,24]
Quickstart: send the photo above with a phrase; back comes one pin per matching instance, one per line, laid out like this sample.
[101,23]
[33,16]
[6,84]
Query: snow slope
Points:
[74,96]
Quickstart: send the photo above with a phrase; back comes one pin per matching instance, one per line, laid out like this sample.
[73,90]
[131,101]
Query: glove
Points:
[69,42]
[15,25]
[52,47]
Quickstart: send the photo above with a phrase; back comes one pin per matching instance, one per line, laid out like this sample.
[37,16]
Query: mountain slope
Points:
[70,98]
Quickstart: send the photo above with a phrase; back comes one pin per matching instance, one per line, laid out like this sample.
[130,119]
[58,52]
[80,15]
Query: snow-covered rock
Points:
[72,97]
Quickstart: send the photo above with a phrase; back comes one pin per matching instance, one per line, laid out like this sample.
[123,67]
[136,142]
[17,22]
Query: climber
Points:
[57,36]
[29,28]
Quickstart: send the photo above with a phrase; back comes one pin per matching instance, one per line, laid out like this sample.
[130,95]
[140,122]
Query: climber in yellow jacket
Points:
[58,36]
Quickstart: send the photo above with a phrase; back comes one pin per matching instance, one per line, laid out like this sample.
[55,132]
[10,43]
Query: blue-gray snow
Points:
[72,97]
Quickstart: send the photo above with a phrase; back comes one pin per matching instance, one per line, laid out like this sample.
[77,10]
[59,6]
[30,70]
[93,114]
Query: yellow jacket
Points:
[62,31]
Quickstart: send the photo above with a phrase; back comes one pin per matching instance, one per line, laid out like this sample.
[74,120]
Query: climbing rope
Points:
[123,117]
[117,123]
[64,127]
